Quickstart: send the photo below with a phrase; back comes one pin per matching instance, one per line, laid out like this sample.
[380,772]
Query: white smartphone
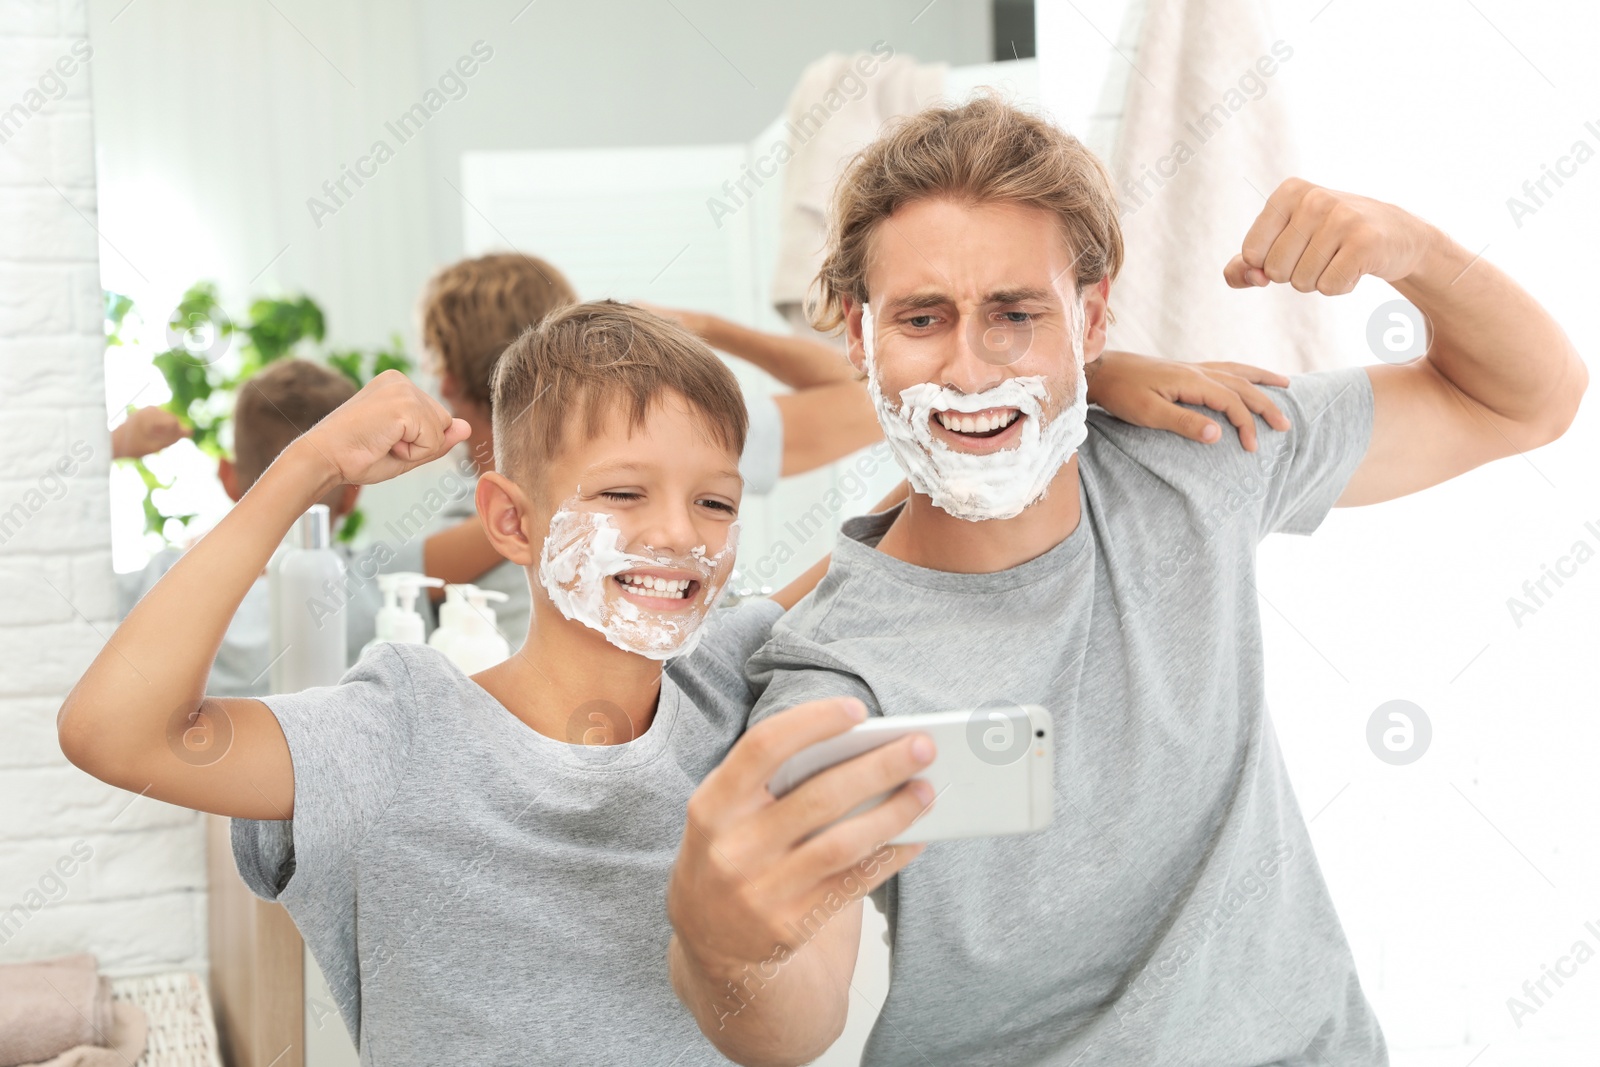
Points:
[991,775]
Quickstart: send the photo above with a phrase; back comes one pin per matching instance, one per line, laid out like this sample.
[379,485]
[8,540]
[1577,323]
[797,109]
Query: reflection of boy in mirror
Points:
[272,408]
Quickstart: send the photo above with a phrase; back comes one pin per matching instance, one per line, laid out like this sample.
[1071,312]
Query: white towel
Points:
[824,128]
[1206,136]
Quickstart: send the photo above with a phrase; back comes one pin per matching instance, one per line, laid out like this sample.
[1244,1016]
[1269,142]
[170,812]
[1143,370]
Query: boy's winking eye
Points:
[628,496]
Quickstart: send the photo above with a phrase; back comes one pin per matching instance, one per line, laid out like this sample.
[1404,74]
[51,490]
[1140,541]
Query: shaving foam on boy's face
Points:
[988,454]
[641,599]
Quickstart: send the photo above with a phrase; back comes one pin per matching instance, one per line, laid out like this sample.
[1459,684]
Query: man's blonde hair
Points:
[583,362]
[985,151]
[473,309]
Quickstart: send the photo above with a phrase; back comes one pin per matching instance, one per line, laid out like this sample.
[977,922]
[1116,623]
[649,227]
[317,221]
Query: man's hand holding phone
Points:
[765,895]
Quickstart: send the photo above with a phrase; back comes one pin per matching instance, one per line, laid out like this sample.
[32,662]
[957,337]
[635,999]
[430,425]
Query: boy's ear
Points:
[228,475]
[1097,317]
[852,334]
[506,515]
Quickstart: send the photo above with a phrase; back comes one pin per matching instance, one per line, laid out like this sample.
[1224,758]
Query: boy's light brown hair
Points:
[473,309]
[583,362]
[277,405]
[985,151]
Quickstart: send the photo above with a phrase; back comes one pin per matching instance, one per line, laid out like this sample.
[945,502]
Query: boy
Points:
[1173,912]
[272,408]
[419,824]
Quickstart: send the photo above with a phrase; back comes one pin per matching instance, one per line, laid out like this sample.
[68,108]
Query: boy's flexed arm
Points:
[124,720]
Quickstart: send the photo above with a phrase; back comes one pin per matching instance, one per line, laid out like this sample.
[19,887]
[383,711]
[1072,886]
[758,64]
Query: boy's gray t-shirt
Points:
[1173,911]
[477,892]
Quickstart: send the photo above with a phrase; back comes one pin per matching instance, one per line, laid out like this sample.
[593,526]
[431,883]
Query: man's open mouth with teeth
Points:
[658,589]
[989,424]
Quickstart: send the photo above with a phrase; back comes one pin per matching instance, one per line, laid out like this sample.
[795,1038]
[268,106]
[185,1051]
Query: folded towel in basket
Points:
[128,1034]
[50,1006]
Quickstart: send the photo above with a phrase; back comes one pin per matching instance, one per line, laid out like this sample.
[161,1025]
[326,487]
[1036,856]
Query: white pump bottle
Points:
[467,634]
[398,621]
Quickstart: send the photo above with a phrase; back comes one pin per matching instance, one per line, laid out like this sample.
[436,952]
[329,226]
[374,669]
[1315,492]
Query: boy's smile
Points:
[659,589]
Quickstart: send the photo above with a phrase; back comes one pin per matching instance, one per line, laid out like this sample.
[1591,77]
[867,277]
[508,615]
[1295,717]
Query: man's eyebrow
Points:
[1021,295]
[924,298]
[927,298]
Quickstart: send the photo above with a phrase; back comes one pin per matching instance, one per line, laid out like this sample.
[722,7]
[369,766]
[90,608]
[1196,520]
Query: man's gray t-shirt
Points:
[477,892]
[1173,911]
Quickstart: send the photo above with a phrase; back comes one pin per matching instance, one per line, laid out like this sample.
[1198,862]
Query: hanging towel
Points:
[838,108]
[1206,137]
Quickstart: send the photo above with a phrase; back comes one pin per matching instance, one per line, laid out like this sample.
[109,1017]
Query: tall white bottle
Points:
[308,643]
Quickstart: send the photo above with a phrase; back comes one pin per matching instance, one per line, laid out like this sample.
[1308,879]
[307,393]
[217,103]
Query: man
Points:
[1173,912]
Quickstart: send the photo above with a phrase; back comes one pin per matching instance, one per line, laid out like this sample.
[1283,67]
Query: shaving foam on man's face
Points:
[644,600]
[988,454]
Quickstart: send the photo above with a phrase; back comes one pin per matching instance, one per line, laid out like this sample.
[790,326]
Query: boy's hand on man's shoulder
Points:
[386,429]
[1146,391]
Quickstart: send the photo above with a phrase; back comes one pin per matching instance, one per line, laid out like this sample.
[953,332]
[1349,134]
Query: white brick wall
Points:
[82,865]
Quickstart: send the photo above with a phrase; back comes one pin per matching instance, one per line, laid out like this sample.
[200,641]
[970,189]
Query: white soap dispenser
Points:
[398,621]
[467,634]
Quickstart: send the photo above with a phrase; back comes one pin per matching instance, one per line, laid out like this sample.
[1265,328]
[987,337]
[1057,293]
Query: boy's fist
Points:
[386,429]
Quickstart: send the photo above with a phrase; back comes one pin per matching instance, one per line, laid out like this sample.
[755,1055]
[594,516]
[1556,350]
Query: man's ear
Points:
[1097,317]
[228,475]
[507,516]
[852,334]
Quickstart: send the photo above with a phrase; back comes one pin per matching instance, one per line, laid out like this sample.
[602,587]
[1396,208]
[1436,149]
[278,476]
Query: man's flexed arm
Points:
[1500,376]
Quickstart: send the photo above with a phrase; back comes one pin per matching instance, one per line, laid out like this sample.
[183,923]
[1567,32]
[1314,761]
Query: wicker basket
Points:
[182,1033]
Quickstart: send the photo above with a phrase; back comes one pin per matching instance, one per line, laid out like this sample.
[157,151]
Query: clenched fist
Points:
[1321,240]
[386,429]
[145,431]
